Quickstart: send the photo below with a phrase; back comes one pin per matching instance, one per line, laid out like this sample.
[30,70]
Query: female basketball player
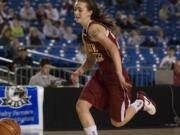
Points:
[109,89]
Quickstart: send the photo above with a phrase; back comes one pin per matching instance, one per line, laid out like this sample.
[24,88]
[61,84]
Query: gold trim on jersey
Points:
[99,57]
[92,49]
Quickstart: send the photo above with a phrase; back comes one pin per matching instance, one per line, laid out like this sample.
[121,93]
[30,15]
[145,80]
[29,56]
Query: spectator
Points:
[145,21]
[135,38]
[34,37]
[67,5]
[27,14]
[124,22]
[132,21]
[69,35]
[6,42]
[2,16]
[81,55]
[3,8]
[41,13]
[22,59]
[168,61]
[177,73]
[177,9]
[10,14]
[164,13]
[52,13]
[9,42]
[149,41]
[162,39]
[59,25]
[50,31]
[6,12]
[16,29]
[43,77]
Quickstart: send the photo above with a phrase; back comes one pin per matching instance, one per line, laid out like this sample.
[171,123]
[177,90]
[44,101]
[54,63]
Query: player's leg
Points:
[87,121]
[142,101]
[129,114]
[91,95]
[123,111]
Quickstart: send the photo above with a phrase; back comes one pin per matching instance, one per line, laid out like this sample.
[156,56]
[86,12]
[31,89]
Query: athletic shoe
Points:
[149,105]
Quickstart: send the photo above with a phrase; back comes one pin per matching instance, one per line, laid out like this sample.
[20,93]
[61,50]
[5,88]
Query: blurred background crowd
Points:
[31,30]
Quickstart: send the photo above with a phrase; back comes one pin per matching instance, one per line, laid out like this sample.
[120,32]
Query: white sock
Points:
[91,130]
[138,104]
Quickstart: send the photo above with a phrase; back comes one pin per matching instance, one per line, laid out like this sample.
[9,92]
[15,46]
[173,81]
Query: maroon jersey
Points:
[95,48]
[103,57]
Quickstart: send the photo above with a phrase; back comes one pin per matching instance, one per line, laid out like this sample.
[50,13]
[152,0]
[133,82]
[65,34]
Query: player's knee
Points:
[81,107]
[117,124]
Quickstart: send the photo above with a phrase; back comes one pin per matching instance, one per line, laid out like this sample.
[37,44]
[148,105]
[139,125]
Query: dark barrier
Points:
[60,113]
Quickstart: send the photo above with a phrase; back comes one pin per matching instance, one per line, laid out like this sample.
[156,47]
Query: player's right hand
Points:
[75,78]
[125,85]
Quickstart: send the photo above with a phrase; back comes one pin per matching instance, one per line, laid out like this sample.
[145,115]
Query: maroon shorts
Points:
[105,93]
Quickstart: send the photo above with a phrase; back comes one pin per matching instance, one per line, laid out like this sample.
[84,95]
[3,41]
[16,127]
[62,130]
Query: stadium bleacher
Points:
[150,8]
[134,56]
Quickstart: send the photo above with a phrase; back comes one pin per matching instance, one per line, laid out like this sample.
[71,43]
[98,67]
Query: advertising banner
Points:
[24,104]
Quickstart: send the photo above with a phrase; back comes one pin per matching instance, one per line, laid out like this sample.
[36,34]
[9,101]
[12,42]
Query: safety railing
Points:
[142,76]
[23,74]
[6,76]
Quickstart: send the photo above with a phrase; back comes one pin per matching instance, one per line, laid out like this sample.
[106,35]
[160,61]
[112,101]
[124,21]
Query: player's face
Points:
[81,13]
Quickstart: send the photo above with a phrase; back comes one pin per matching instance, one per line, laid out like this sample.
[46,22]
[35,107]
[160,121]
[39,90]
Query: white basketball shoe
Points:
[149,105]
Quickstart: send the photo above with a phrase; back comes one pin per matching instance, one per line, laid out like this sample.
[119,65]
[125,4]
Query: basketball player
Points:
[110,87]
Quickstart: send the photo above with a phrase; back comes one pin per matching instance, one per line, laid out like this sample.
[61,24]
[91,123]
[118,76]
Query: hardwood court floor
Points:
[160,131]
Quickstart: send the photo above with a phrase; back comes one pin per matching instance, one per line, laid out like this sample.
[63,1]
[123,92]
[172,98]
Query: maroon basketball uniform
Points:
[104,90]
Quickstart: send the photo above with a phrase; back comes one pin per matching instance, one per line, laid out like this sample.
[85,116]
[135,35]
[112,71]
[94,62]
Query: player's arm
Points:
[90,60]
[98,33]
